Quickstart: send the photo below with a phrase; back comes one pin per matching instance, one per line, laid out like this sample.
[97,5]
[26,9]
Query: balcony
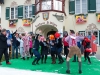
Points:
[50,5]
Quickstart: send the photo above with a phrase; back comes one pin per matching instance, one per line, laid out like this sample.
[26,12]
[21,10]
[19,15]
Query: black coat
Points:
[59,43]
[36,43]
[3,41]
[44,48]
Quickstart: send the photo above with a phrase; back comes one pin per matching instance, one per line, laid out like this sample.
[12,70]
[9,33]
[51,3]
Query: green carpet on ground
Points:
[93,69]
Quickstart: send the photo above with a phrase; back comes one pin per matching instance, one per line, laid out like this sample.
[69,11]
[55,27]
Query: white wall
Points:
[5,23]
[70,22]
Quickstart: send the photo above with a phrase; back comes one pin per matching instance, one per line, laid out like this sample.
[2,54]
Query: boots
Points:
[33,63]
[60,60]
[80,66]
[53,60]
[68,67]
[38,61]
[45,59]
[23,58]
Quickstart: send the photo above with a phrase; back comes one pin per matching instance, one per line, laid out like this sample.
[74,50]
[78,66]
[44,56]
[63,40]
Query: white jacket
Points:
[21,42]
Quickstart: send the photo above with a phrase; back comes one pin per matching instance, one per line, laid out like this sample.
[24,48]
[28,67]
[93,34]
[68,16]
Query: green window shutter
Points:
[7,13]
[99,38]
[33,10]
[91,6]
[20,11]
[71,6]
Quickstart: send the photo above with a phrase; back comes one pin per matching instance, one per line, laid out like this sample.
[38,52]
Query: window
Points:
[96,33]
[37,7]
[98,6]
[80,6]
[46,4]
[28,11]
[53,5]
[57,5]
[14,13]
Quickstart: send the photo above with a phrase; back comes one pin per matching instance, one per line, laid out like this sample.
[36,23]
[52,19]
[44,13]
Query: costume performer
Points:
[59,47]
[73,49]
[36,50]
[79,38]
[31,45]
[88,49]
[44,50]
[53,48]
[26,45]
[66,45]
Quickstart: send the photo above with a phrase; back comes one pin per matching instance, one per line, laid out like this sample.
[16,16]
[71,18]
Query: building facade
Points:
[48,16]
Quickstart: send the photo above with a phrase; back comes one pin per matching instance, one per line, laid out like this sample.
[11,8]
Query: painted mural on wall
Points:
[45,16]
[12,23]
[80,19]
[98,17]
[27,22]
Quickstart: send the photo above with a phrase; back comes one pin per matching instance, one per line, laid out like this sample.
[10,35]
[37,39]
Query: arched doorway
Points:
[51,32]
[46,30]
[92,28]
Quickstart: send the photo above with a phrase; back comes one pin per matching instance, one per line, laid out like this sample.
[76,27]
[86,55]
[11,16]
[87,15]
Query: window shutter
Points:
[7,13]
[99,37]
[20,11]
[71,6]
[33,10]
[91,6]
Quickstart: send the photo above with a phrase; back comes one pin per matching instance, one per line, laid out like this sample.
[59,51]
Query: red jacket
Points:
[88,50]
[64,42]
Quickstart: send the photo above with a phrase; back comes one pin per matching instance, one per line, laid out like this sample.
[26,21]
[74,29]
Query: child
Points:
[88,50]
[22,52]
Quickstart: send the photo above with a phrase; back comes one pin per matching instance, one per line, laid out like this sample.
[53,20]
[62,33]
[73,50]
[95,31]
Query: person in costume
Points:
[52,48]
[73,49]
[22,52]
[79,38]
[36,50]
[26,45]
[31,45]
[66,45]
[44,50]
[88,49]
[59,47]
[9,38]
[93,44]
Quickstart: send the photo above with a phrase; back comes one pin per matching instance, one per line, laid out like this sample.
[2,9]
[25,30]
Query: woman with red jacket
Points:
[66,45]
[88,49]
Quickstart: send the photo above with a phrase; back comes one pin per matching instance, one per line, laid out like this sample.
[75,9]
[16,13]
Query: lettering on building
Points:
[46,23]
